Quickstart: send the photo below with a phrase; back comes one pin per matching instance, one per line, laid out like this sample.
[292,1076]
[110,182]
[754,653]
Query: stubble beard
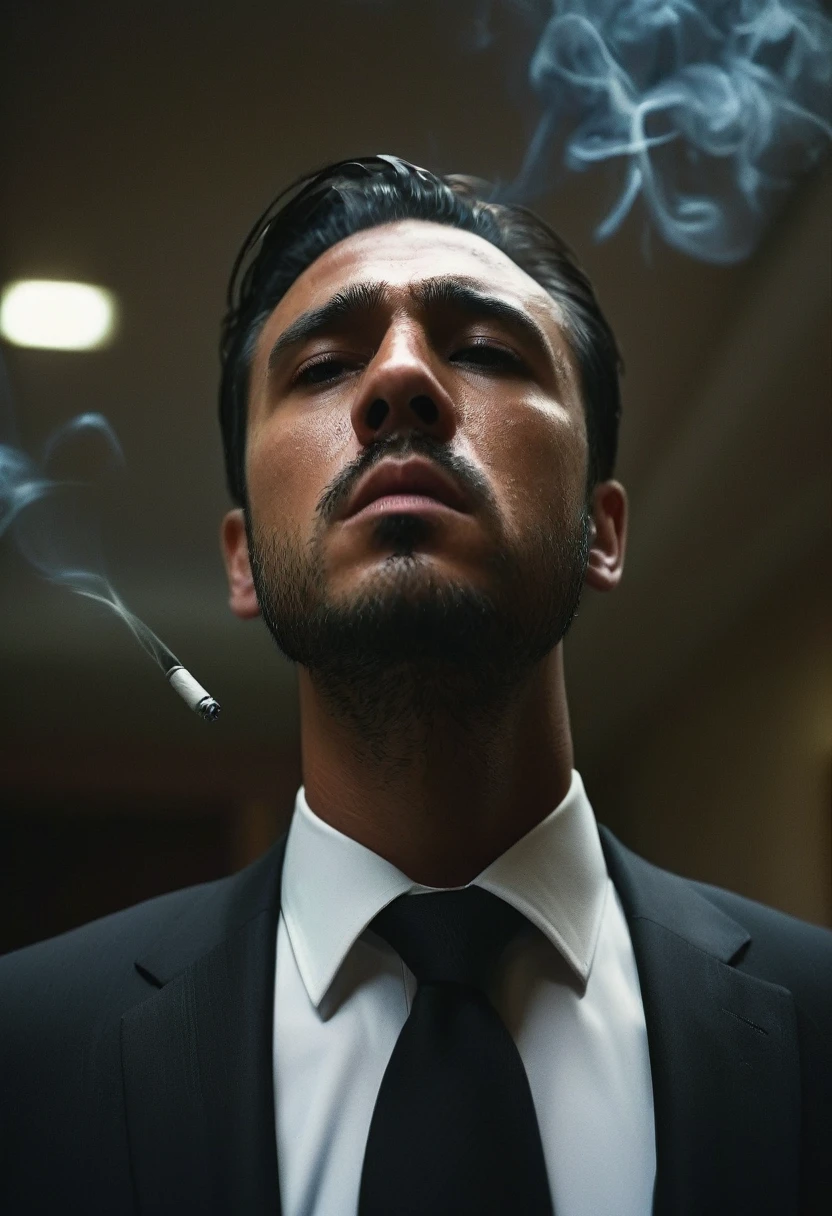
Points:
[416,650]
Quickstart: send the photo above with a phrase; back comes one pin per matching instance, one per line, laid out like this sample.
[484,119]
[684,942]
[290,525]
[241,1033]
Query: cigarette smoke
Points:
[41,513]
[708,109]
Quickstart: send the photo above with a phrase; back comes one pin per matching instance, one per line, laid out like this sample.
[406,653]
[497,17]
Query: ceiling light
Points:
[54,315]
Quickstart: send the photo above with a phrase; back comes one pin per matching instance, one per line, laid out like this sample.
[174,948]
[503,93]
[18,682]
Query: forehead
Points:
[408,252]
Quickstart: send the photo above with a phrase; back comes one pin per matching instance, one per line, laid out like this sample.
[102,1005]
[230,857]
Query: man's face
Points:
[441,347]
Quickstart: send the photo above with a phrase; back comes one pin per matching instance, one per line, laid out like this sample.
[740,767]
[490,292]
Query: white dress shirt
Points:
[567,990]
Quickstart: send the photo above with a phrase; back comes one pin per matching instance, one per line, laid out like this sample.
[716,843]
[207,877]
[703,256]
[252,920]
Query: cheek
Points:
[537,456]
[272,476]
[289,468]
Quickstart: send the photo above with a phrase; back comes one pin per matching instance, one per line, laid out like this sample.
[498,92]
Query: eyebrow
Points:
[445,291]
[462,295]
[357,299]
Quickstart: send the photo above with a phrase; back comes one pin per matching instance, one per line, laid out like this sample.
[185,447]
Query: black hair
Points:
[321,209]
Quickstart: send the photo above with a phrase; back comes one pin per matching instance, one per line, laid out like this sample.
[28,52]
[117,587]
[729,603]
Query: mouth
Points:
[403,504]
[410,485]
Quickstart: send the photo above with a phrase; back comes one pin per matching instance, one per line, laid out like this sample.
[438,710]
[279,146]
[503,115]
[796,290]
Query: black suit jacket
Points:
[136,1053]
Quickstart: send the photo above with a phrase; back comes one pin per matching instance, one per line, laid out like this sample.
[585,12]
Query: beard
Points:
[416,647]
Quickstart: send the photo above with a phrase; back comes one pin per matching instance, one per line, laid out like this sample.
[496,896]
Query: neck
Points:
[440,796]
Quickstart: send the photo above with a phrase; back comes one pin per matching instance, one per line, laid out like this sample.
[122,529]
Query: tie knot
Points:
[449,936]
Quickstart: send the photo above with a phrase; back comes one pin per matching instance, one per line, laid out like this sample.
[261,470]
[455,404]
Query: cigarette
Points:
[192,693]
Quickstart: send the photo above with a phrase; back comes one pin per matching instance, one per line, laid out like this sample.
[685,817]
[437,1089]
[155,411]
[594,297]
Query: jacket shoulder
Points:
[99,955]
[63,1125]
[754,938]
[112,962]
[783,949]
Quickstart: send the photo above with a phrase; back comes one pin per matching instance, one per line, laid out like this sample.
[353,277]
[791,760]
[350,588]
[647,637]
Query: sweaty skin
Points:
[434,720]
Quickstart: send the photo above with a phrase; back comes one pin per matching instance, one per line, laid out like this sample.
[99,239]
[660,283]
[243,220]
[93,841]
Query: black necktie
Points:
[454,1131]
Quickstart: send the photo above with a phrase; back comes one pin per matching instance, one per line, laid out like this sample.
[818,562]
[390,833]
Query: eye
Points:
[325,369]
[488,356]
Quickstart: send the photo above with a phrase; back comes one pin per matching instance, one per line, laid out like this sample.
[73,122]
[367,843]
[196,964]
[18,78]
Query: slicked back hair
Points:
[323,208]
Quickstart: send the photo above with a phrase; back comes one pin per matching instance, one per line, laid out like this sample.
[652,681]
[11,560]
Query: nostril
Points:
[376,413]
[425,408]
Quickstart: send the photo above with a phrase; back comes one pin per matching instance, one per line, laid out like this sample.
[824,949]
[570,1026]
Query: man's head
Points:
[351,196]
[386,313]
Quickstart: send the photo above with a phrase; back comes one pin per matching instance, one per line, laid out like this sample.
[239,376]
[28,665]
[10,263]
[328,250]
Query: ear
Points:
[608,536]
[242,597]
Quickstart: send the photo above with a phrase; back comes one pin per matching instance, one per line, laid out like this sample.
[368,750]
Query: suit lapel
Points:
[197,1055]
[723,1052]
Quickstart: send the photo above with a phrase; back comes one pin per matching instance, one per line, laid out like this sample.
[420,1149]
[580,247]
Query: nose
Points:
[401,391]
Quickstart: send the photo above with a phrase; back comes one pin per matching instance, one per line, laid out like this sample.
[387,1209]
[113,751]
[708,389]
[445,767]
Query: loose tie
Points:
[454,1130]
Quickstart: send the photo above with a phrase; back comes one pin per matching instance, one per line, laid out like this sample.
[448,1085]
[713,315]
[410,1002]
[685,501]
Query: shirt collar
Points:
[333,887]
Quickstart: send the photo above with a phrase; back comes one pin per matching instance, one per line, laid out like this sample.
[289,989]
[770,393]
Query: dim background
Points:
[138,143]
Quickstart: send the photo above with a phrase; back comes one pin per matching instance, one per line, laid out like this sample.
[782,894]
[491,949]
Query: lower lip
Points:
[402,503]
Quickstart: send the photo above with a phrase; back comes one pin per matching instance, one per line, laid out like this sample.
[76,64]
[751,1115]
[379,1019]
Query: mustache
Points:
[398,447]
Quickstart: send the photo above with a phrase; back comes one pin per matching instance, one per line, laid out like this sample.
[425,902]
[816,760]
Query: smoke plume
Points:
[45,516]
[707,110]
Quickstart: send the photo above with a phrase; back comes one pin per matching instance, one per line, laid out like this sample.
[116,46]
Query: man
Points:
[446,991]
